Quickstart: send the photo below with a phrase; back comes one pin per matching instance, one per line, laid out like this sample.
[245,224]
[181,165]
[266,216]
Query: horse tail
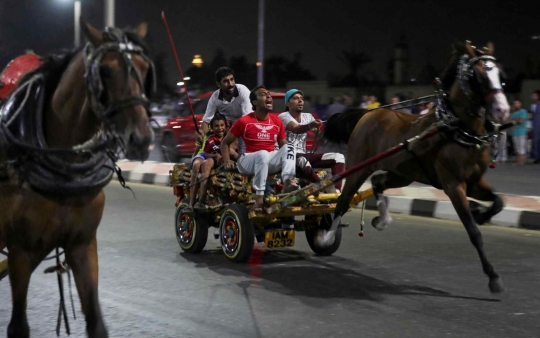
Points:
[339,127]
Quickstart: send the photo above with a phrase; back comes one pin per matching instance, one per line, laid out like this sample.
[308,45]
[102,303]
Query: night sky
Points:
[320,30]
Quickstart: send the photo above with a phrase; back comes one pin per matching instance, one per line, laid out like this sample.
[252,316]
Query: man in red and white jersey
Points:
[258,133]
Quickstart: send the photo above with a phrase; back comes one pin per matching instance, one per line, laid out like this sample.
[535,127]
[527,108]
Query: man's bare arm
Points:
[225,150]
[303,128]
[204,128]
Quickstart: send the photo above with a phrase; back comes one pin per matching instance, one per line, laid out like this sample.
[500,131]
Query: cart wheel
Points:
[236,233]
[313,232]
[191,230]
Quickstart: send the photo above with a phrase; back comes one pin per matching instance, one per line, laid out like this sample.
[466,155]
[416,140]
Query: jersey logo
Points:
[263,134]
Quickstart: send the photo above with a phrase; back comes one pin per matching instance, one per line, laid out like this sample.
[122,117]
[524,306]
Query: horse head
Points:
[120,78]
[480,78]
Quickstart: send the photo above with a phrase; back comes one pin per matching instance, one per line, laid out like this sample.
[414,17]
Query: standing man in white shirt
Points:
[231,99]
[297,125]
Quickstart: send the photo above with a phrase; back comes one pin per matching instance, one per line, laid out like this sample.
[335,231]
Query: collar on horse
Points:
[62,171]
[459,132]
[444,111]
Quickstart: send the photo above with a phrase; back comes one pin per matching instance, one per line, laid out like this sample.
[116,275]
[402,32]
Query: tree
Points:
[295,72]
[244,71]
[163,86]
[354,61]
[279,70]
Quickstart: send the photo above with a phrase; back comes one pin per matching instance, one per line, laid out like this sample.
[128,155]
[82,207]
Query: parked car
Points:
[178,135]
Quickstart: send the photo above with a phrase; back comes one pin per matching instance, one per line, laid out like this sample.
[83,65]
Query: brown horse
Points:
[454,160]
[61,130]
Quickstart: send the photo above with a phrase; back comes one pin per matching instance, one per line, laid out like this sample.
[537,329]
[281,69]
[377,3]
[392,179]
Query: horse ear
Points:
[92,34]
[469,49]
[490,48]
[142,29]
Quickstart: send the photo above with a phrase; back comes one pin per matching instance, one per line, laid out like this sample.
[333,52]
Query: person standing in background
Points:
[519,131]
[534,115]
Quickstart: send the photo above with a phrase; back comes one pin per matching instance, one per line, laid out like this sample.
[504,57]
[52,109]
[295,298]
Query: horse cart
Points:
[228,199]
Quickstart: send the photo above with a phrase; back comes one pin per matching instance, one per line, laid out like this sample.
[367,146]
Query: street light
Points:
[197,61]
[260,50]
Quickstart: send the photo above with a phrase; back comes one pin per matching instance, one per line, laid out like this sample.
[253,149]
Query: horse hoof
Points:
[380,225]
[325,238]
[478,217]
[496,285]
[376,223]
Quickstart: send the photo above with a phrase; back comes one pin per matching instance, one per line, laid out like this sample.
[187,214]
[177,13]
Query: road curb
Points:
[508,217]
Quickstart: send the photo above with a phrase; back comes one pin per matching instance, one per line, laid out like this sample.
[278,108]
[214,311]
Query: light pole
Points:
[260,53]
[77,16]
[109,13]
[76,24]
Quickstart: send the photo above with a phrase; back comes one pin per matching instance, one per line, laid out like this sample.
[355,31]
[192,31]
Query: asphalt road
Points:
[419,278]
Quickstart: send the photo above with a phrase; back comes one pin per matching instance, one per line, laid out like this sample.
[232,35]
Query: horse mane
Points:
[53,68]
[340,126]
[450,72]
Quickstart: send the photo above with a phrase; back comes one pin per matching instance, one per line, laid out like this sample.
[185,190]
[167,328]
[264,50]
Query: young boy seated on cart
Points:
[207,156]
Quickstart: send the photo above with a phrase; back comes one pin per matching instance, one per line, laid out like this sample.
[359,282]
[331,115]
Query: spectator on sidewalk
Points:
[365,102]
[502,153]
[534,115]
[519,132]
[373,103]
[336,107]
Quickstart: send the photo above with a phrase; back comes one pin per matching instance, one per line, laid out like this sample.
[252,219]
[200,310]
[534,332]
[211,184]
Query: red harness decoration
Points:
[15,70]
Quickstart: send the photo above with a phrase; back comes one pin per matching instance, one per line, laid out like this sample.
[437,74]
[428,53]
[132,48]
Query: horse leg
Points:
[456,191]
[483,192]
[352,184]
[381,182]
[3,263]
[21,265]
[83,261]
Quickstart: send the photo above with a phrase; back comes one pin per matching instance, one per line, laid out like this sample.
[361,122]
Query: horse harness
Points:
[117,42]
[84,167]
[448,121]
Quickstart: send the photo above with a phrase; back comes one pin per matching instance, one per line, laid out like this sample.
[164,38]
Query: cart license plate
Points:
[279,239]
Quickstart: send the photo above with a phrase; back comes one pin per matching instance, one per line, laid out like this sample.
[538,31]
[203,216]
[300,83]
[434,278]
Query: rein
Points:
[409,103]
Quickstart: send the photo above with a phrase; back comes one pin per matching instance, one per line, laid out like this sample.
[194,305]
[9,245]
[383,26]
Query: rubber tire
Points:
[169,142]
[323,251]
[246,241]
[200,231]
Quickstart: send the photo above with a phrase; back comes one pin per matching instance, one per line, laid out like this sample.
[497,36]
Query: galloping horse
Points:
[61,130]
[454,160]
